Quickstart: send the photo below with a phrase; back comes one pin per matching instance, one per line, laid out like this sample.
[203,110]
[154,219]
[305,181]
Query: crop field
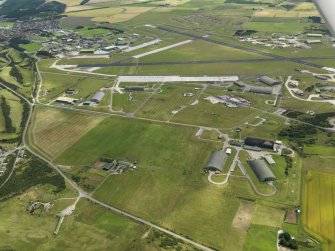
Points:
[318,204]
[276,27]
[111,15]
[54,131]
[267,12]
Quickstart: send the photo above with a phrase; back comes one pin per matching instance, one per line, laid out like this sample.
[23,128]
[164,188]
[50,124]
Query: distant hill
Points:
[27,8]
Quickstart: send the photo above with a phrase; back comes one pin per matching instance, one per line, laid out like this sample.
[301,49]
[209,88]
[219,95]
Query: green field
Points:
[31,47]
[318,208]
[53,131]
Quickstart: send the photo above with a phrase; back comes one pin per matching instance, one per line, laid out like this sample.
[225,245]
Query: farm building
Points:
[252,148]
[269,81]
[261,90]
[66,100]
[313,41]
[98,96]
[269,160]
[263,143]
[314,35]
[109,166]
[217,161]
[261,170]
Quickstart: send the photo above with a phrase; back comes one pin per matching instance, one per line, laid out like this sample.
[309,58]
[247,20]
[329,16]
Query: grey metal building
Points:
[98,96]
[216,162]
[269,81]
[261,170]
[261,90]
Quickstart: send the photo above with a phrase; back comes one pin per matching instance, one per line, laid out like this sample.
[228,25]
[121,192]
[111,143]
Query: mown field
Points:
[54,131]
[318,201]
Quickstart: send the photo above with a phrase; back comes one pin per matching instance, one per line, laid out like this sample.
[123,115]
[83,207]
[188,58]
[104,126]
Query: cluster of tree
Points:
[84,2]
[244,32]
[44,54]
[321,119]
[286,240]
[15,72]
[299,135]
[246,2]
[289,164]
[287,5]
[22,9]
[29,174]
[15,43]
[9,128]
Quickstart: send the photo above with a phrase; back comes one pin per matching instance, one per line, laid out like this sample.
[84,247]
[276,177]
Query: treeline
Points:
[299,135]
[14,72]
[321,119]
[246,2]
[23,9]
[84,2]
[29,174]
[9,128]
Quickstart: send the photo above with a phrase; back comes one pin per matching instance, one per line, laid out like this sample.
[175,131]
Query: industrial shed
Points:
[261,90]
[263,143]
[98,96]
[269,81]
[269,160]
[216,162]
[261,170]
[134,88]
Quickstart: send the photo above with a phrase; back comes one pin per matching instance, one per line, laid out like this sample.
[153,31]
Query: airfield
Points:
[132,119]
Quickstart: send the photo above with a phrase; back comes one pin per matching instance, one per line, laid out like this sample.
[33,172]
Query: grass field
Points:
[268,216]
[179,160]
[238,68]
[54,85]
[318,204]
[195,51]
[54,131]
[276,27]
[31,47]
[91,226]
[261,238]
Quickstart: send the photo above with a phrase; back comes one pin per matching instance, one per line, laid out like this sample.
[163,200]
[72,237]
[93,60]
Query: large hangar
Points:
[261,170]
[216,162]
[327,11]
